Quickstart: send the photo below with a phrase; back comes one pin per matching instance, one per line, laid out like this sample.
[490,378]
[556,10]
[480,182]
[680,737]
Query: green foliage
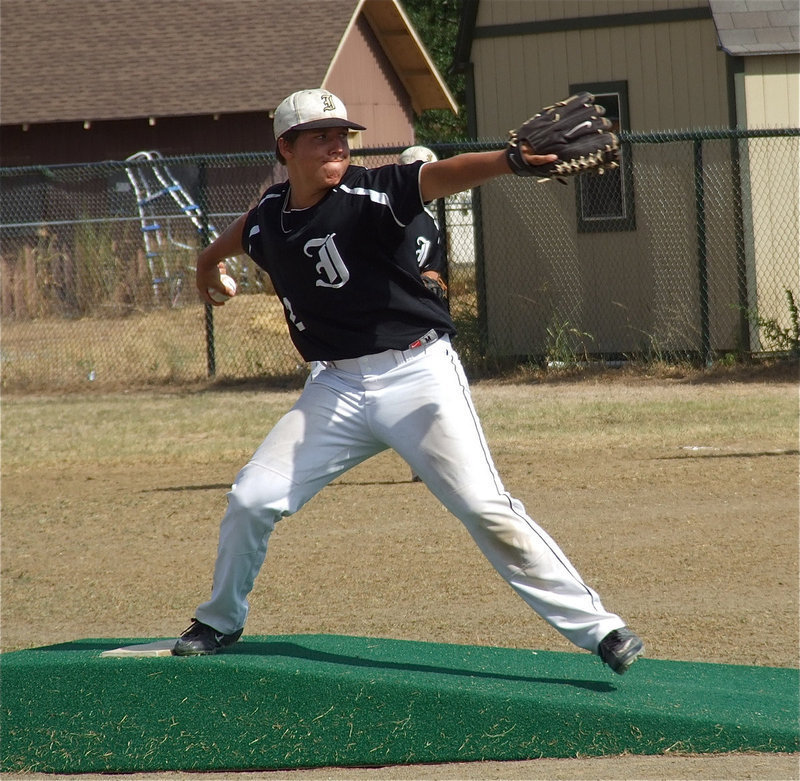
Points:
[566,345]
[780,337]
[469,341]
[97,268]
[436,22]
[795,328]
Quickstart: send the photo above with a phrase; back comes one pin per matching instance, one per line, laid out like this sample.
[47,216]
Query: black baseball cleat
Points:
[200,639]
[620,649]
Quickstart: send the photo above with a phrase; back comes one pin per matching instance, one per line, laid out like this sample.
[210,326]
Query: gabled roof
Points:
[79,60]
[752,27]
[407,54]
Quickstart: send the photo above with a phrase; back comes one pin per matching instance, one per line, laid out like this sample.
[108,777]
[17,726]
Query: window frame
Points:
[627,220]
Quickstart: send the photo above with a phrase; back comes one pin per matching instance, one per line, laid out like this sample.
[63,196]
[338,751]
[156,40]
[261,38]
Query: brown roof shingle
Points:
[63,60]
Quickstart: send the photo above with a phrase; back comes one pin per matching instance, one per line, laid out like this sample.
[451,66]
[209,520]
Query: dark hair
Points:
[290,136]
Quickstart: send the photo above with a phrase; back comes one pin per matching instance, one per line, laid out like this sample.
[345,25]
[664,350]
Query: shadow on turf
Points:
[296,651]
[730,455]
[293,650]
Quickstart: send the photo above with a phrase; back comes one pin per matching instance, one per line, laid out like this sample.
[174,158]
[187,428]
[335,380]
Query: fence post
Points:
[202,184]
[741,259]
[441,217]
[480,274]
[702,270]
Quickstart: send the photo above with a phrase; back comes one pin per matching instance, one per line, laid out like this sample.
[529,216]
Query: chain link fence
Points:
[689,250]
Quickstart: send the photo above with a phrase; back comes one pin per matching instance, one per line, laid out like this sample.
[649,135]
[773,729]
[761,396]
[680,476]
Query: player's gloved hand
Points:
[575,130]
[435,284]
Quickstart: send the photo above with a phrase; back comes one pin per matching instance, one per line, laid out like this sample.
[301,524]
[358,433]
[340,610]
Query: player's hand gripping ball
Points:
[575,130]
[230,285]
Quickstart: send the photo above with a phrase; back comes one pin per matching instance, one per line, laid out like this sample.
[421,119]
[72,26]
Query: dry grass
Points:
[147,348]
[167,347]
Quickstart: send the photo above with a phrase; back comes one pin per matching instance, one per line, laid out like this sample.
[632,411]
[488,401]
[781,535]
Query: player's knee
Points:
[259,495]
[493,514]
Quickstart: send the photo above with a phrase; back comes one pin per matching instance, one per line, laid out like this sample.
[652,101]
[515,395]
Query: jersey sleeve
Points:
[248,232]
[397,186]
[252,226]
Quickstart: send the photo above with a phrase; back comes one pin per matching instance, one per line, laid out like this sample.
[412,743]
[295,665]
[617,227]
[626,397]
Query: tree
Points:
[436,22]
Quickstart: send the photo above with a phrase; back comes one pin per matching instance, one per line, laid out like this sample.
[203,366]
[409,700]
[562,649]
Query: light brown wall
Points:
[772,90]
[677,79]
[365,80]
[770,94]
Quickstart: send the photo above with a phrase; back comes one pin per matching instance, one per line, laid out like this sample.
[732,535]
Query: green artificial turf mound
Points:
[325,700]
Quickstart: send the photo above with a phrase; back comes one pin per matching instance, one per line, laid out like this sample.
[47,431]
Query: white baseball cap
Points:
[414,153]
[311,108]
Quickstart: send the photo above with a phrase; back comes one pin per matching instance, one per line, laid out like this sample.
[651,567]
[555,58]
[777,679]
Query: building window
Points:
[605,202]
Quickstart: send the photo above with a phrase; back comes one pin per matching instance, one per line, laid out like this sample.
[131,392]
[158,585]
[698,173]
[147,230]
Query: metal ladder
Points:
[157,190]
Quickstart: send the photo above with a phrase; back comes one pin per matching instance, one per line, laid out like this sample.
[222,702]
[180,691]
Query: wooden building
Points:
[83,80]
[656,65]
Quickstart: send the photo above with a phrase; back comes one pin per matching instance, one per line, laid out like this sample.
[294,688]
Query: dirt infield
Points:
[677,500]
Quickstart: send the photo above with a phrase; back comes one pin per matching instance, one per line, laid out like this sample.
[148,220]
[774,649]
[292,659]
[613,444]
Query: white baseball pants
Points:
[418,403]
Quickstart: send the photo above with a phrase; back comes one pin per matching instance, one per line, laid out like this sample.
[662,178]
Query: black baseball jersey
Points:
[348,278]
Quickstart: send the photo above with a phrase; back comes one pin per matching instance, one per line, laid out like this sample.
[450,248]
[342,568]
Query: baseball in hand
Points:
[230,285]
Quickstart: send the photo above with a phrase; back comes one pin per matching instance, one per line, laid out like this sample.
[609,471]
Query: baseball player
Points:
[387,375]
[423,232]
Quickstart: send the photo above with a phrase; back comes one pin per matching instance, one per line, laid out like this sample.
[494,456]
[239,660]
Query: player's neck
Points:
[299,199]
[288,203]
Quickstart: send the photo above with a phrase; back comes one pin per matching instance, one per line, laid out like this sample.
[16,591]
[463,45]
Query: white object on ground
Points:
[156,648]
